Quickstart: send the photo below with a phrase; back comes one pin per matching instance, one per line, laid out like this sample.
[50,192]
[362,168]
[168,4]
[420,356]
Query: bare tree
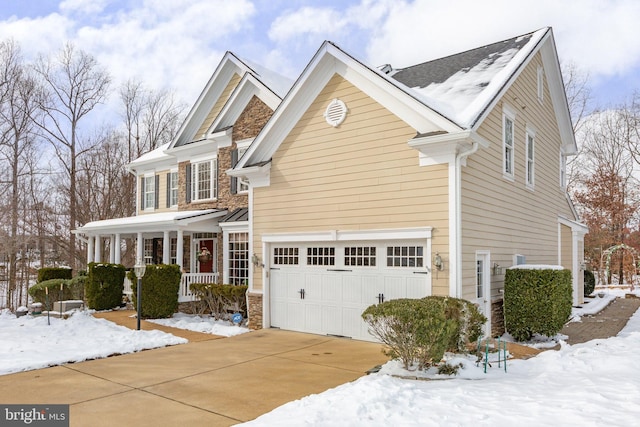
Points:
[74,85]
[17,139]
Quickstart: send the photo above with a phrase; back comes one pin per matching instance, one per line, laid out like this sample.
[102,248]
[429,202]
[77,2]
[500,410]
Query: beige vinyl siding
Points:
[217,107]
[361,175]
[505,216]
[162,194]
[566,247]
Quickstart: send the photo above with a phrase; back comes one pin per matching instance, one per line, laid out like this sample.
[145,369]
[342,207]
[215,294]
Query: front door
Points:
[202,265]
[483,288]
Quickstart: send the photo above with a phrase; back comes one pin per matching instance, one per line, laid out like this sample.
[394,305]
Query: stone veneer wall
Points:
[254,307]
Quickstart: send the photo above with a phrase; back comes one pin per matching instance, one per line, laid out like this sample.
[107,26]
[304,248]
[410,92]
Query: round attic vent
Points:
[336,112]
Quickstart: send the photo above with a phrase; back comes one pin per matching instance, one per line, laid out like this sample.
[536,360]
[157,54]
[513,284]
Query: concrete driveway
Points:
[215,382]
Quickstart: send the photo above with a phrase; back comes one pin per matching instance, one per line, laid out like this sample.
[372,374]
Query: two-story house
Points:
[189,212]
[369,184]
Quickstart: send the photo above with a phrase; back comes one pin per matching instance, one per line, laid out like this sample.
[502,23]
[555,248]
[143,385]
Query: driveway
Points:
[215,382]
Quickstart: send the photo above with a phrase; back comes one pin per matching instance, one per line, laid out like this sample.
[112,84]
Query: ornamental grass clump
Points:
[419,331]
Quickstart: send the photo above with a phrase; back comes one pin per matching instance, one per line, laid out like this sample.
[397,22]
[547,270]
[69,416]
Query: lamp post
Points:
[139,269]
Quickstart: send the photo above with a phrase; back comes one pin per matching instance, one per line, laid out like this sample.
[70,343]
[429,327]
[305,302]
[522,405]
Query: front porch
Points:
[184,294]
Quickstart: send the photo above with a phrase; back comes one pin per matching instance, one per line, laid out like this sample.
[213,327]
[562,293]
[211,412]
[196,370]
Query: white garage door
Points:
[324,288]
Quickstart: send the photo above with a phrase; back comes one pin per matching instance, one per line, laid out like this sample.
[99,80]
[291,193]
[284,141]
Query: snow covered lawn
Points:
[28,342]
[591,384]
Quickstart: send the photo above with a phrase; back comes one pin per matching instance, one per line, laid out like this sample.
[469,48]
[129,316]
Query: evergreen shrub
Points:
[47,273]
[39,294]
[160,286]
[104,285]
[536,301]
[419,331]
[589,283]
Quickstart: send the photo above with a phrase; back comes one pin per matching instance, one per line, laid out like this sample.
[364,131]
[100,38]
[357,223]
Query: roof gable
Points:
[328,61]
[229,66]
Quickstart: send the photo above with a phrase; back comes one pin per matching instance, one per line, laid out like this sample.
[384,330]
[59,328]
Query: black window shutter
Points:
[187,193]
[142,193]
[234,180]
[156,191]
[169,190]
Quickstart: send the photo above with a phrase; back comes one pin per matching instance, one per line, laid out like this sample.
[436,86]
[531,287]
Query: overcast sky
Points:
[177,44]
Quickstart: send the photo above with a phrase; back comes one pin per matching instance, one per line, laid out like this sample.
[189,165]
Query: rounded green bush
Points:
[589,282]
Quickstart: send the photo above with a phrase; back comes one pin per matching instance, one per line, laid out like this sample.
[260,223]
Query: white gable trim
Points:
[237,102]
[328,61]
[221,77]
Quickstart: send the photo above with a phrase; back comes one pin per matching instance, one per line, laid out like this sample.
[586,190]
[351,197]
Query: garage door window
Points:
[360,256]
[285,256]
[321,256]
[405,256]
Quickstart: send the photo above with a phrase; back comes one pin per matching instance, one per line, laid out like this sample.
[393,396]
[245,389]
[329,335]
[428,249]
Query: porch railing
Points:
[184,294]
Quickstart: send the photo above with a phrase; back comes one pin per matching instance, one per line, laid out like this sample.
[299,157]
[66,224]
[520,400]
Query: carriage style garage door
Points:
[324,287]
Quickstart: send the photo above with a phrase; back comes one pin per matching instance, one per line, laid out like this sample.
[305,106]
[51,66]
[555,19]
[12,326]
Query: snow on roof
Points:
[148,219]
[278,83]
[153,155]
[536,267]
[461,86]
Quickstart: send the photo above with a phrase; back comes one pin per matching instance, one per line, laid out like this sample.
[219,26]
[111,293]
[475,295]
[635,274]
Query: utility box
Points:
[63,306]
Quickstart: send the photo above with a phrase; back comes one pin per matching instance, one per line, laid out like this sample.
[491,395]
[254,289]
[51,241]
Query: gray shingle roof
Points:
[439,70]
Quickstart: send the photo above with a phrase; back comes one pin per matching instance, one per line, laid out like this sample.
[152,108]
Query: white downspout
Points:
[456,255]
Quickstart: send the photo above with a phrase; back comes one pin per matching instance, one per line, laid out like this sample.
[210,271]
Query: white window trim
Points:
[177,188]
[508,113]
[530,134]
[152,177]
[213,189]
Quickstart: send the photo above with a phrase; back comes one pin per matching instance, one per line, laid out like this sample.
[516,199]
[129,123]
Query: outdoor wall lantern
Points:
[255,260]
[437,262]
[139,269]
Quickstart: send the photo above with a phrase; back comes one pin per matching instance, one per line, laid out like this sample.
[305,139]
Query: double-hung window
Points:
[508,130]
[204,182]
[149,188]
[173,188]
[530,172]
[243,185]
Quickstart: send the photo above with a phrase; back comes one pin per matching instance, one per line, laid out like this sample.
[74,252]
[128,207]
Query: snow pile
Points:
[204,324]
[30,343]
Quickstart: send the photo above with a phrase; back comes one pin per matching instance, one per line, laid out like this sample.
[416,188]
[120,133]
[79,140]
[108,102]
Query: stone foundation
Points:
[254,304]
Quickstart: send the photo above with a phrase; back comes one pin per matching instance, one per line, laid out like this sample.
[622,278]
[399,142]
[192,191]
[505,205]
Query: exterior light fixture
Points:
[139,269]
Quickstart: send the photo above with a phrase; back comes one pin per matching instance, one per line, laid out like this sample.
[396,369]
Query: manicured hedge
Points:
[536,301]
[47,273]
[160,286]
[38,292]
[104,285]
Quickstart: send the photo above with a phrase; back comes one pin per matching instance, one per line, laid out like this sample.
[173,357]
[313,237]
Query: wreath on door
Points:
[204,255]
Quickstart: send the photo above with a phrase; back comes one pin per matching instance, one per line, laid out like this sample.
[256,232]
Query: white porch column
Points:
[112,249]
[98,251]
[117,254]
[140,249]
[180,248]
[90,249]
[166,247]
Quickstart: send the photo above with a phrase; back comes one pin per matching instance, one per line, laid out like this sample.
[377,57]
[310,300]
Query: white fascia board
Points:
[195,149]
[553,74]
[350,236]
[443,148]
[235,227]
[229,65]
[574,225]
[258,176]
